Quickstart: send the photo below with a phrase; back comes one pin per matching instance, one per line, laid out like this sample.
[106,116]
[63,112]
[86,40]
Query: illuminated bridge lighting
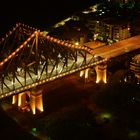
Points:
[43,60]
[47,80]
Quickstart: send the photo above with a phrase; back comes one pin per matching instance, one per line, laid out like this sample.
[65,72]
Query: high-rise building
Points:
[116,31]
[109,30]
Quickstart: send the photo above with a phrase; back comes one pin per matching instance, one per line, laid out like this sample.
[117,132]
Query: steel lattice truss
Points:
[40,59]
[14,39]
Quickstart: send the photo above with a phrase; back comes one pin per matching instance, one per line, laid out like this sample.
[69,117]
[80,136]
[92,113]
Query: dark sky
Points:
[39,13]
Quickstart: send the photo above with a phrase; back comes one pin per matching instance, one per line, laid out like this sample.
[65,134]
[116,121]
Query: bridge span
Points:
[29,58]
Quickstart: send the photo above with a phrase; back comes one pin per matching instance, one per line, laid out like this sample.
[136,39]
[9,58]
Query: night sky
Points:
[39,13]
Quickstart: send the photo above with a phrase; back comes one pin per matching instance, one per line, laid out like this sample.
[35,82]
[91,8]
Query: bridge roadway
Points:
[58,72]
[117,48]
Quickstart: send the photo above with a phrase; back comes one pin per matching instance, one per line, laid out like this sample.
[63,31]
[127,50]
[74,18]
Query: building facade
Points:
[109,30]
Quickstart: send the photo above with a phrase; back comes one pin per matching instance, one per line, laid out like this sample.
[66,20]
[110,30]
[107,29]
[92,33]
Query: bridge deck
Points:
[118,48]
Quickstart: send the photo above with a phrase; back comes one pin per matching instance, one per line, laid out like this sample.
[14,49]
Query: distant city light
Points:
[61,23]
[86,12]
[92,9]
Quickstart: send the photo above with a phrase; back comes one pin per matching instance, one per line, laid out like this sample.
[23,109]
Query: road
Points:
[118,48]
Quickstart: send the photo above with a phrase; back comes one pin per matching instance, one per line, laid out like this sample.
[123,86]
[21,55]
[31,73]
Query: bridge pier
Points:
[36,102]
[20,99]
[85,74]
[14,99]
[29,100]
[101,73]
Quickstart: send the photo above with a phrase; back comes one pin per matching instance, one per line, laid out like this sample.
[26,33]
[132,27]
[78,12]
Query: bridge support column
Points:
[33,102]
[14,99]
[85,74]
[36,102]
[21,99]
[101,73]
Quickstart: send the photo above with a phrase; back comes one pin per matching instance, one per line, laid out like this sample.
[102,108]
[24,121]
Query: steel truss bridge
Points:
[29,57]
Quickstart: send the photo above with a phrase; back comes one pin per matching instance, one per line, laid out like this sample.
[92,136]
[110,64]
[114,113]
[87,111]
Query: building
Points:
[114,30]
[109,30]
